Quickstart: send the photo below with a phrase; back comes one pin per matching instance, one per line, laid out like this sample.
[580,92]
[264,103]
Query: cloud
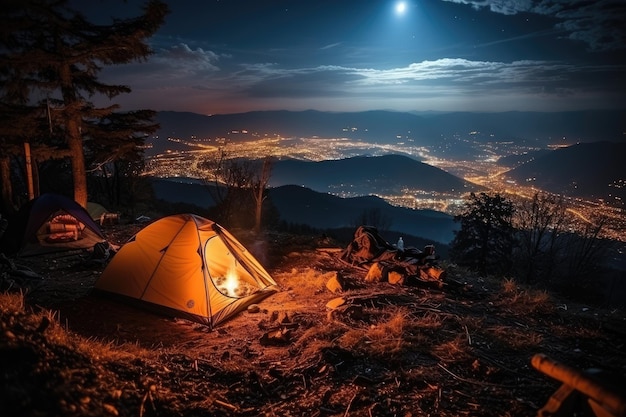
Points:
[530,83]
[322,81]
[332,45]
[184,60]
[446,76]
[508,7]
[600,24]
[175,66]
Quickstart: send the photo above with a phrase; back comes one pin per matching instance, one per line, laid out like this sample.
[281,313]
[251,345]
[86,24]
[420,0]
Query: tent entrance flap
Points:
[228,273]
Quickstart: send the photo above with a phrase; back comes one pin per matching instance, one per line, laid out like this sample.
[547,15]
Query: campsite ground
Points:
[391,350]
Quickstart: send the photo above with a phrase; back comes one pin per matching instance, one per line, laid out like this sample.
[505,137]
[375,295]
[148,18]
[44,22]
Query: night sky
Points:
[230,56]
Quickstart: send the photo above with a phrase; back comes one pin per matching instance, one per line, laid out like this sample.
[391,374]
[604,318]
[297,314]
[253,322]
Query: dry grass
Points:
[509,286]
[47,323]
[111,351]
[383,339]
[522,301]
[514,337]
[456,349]
[303,283]
[395,333]
[318,337]
[12,302]
[412,351]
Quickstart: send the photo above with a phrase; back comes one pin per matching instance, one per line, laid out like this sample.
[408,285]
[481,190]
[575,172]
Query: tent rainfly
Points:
[187,266]
[52,223]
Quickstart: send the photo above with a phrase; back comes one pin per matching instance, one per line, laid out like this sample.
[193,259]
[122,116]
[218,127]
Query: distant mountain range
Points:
[182,190]
[388,175]
[387,126]
[300,205]
[590,170]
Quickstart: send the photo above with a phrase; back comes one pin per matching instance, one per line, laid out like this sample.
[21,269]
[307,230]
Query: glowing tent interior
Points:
[185,265]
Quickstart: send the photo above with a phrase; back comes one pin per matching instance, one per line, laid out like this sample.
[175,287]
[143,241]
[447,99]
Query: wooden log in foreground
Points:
[583,383]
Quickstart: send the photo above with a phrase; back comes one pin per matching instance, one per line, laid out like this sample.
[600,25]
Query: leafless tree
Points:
[540,222]
[552,247]
[585,251]
[374,217]
[238,188]
[259,185]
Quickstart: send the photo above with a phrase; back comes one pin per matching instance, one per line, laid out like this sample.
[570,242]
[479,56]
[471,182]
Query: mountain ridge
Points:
[301,205]
[583,170]
[363,175]
[386,126]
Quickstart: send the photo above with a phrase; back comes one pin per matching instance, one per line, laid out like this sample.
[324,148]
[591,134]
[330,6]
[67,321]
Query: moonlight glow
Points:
[400,7]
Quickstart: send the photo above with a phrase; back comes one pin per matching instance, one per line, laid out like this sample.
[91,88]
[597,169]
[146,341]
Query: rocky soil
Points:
[462,348]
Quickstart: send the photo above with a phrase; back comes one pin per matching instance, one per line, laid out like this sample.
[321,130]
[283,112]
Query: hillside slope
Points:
[387,175]
[300,205]
[325,211]
[591,170]
[394,350]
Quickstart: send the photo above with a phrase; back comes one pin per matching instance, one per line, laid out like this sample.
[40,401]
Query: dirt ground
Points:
[390,350]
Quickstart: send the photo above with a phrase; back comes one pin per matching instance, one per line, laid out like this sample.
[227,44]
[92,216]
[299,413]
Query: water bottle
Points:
[400,244]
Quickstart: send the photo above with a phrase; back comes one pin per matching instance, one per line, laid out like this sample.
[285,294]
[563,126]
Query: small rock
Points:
[395,278]
[375,273]
[353,312]
[362,381]
[283,318]
[110,409]
[335,283]
[335,302]
[276,337]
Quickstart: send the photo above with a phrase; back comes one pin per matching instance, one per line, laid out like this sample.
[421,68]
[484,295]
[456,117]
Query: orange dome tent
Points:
[185,265]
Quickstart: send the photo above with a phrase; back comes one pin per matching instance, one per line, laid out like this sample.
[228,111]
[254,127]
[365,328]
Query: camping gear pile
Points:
[387,263]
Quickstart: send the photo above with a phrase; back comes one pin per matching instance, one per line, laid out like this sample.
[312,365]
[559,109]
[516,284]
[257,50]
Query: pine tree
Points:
[486,237]
[51,52]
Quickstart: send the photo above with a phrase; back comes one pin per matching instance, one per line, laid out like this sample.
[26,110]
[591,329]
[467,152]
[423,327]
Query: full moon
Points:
[400,7]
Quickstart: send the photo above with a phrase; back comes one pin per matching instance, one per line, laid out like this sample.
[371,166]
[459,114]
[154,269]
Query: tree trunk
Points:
[35,167]
[79,172]
[258,210]
[73,120]
[29,170]
[263,180]
[7,188]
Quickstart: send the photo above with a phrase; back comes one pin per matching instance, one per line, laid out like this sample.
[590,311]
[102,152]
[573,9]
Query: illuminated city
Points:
[482,170]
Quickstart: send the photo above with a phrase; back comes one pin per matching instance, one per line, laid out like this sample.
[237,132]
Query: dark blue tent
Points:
[50,223]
